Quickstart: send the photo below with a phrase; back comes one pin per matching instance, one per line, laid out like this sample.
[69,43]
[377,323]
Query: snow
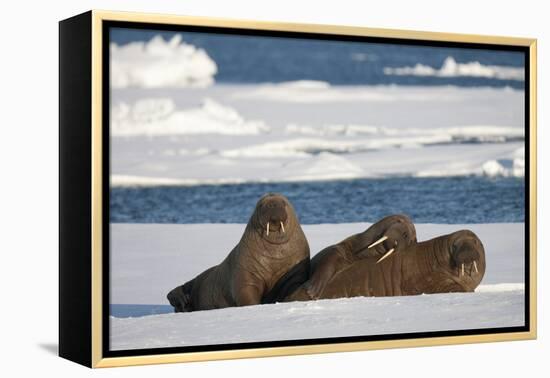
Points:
[294,160]
[312,92]
[320,319]
[506,167]
[479,133]
[159,63]
[159,116]
[148,260]
[451,68]
[273,132]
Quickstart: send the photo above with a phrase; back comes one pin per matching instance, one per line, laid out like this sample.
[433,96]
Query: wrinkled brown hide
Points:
[432,266]
[252,272]
[331,262]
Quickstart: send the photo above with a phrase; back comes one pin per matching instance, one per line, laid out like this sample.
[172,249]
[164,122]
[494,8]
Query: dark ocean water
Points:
[252,59]
[137,310]
[427,200]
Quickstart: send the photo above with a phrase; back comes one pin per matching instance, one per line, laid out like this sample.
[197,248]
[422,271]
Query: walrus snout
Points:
[273,214]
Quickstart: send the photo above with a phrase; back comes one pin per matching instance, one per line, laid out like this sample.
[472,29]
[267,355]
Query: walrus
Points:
[391,234]
[270,261]
[445,264]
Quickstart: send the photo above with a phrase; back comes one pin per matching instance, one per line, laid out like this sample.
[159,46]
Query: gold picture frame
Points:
[88,235]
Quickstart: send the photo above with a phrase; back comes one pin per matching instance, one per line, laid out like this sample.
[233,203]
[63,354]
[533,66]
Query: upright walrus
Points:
[445,264]
[270,260]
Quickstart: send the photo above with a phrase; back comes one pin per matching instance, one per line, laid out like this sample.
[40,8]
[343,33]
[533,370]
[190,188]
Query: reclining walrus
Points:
[270,261]
[449,263]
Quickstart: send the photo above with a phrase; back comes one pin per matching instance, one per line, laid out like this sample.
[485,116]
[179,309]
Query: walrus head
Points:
[274,218]
[392,234]
[467,253]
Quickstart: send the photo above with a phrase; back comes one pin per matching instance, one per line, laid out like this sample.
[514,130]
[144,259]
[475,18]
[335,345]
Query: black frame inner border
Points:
[106,25]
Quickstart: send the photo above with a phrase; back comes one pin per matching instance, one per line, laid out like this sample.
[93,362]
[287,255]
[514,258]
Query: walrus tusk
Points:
[282,227]
[475,267]
[378,241]
[267,228]
[462,269]
[386,255]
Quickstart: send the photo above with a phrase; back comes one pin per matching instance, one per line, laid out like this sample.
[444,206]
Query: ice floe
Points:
[451,68]
[160,63]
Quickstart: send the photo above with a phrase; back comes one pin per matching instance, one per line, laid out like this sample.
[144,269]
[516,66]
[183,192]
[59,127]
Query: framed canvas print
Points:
[234,189]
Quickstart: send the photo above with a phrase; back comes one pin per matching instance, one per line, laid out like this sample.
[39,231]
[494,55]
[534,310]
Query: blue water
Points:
[252,59]
[137,310]
[427,200]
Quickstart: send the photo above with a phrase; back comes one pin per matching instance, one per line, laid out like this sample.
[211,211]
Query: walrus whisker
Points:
[386,255]
[475,267]
[378,241]
[267,228]
[282,227]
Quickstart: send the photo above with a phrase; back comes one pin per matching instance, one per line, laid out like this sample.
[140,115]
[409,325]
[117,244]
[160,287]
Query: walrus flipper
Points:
[248,295]
[327,264]
[289,282]
[180,297]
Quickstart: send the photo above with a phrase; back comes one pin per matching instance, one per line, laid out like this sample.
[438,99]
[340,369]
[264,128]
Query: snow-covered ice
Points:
[319,319]
[290,131]
[159,116]
[160,63]
[147,260]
